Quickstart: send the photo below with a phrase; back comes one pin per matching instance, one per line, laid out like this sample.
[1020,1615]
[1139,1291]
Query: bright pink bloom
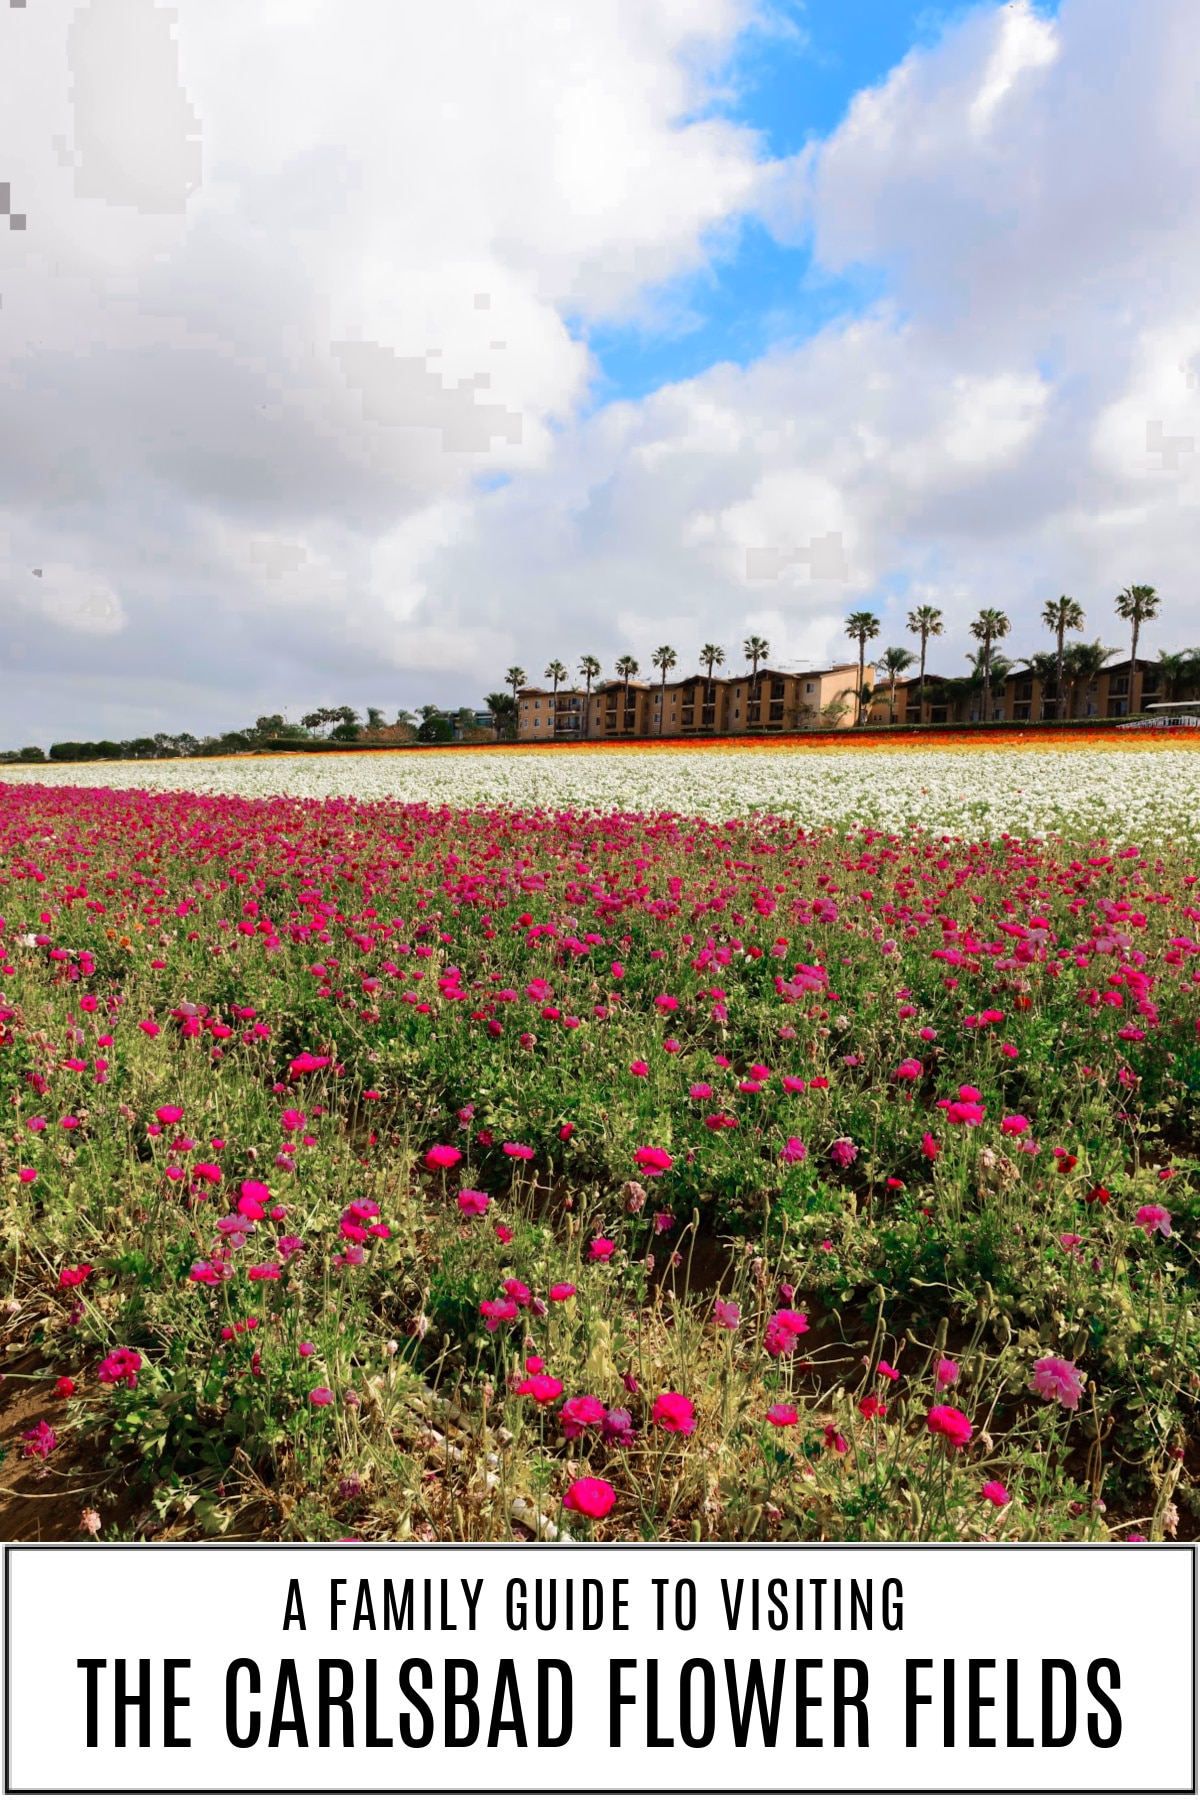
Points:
[948,1422]
[120,1366]
[579,1413]
[1154,1218]
[793,1151]
[639,1068]
[842,1152]
[497,1312]
[782,1415]
[69,1278]
[1056,1379]
[908,1070]
[441,1156]
[591,1497]
[651,1160]
[542,1388]
[472,1204]
[321,1396]
[727,1314]
[562,1290]
[600,1249]
[1015,1125]
[835,1441]
[996,1492]
[674,1412]
[946,1372]
[519,1152]
[783,1328]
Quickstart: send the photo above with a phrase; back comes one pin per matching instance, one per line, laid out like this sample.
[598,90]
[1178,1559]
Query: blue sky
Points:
[792,81]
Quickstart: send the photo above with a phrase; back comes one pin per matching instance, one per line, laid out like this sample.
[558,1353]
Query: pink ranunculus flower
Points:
[441,1156]
[519,1152]
[949,1423]
[472,1203]
[539,1387]
[782,1415]
[783,1329]
[591,1497]
[497,1312]
[908,1070]
[651,1160]
[579,1413]
[562,1290]
[946,1372]
[727,1314]
[793,1151]
[120,1366]
[996,1492]
[1015,1125]
[842,1152]
[600,1249]
[1054,1378]
[964,1112]
[321,1396]
[674,1412]
[1154,1218]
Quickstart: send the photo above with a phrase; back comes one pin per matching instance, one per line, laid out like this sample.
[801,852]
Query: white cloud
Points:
[287,376]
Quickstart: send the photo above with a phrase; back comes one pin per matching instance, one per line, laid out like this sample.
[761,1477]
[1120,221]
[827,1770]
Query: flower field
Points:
[716,1145]
[1141,783]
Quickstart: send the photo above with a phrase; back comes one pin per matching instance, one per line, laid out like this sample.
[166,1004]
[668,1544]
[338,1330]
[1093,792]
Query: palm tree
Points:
[894,662]
[627,668]
[1060,616]
[860,626]
[664,658]
[1083,662]
[516,678]
[1179,669]
[990,625]
[1135,605]
[755,650]
[925,622]
[503,709]
[589,668]
[555,672]
[712,656]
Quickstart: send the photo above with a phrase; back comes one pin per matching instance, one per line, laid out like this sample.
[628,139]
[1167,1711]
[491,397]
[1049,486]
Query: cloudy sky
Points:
[352,350]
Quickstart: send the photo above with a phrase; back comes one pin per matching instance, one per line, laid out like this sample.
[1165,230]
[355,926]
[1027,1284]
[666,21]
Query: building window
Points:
[777,708]
[737,711]
[810,687]
[778,689]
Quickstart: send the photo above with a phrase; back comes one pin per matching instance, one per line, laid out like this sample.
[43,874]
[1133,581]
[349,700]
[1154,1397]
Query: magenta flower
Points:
[441,1156]
[946,1372]
[39,1440]
[539,1387]
[782,1415]
[947,1422]
[577,1414]
[793,1151]
[472,1204]
[651,1160]
[321,1396]
[674,1412]
[842,1152]
[519,1152]
[590,1497]
[783,1328]
[908,1070]
[600,1249]
[1015,1125]
[497,1312]
[120,1366]
[562,1290]
[996,1492]
[1154,1218]
[727,1314]
[1056,1379]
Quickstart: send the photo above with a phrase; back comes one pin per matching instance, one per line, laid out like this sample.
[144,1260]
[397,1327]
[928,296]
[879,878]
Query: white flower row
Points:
[1124,794]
